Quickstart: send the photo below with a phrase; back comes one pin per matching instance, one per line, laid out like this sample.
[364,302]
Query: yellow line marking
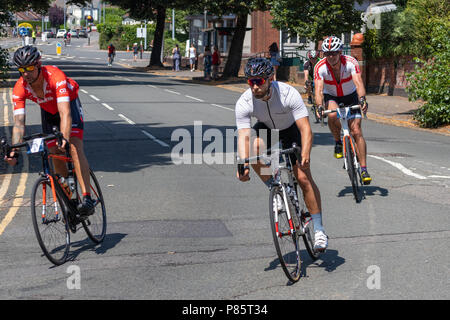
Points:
[22,182]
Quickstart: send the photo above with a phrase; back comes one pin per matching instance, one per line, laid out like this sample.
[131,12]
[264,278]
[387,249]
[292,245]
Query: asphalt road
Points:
[193,231]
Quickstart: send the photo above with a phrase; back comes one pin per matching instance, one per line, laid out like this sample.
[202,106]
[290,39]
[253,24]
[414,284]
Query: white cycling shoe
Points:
[320,241]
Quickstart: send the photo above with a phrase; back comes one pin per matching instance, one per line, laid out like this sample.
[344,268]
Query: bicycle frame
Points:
[344,114]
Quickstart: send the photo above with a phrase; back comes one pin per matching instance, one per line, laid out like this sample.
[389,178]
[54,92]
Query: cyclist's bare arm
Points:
[360,89]
[18,132]
[306,72]
[319,92]
[307,140]
[66,120]
[244,150]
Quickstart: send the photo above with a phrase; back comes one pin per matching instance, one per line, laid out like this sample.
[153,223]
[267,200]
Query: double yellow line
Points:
[20,191]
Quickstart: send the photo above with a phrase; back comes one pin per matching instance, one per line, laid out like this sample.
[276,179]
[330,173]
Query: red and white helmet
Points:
[332,44]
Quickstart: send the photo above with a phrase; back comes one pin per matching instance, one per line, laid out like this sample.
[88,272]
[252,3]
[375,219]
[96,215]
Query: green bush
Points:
[430,81]
[122,35]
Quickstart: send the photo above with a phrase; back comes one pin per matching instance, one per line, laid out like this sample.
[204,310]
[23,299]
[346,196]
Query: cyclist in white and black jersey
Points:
[277,105]
[338,80]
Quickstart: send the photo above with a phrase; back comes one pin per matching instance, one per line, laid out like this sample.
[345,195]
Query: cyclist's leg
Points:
[333,121]
[48,122]
[309,188]
[356,132]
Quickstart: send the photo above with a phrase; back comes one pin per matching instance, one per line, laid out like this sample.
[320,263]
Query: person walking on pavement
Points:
[33,35]
[176,56]
[192,57]
[207,63]
[215,63]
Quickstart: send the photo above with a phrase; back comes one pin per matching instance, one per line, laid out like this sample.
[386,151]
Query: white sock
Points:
[317,219]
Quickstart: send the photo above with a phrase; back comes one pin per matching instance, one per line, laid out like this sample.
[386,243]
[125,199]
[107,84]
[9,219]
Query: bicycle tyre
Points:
[92,224]
[308,225]
[352,170]
[58,254]
[286,246]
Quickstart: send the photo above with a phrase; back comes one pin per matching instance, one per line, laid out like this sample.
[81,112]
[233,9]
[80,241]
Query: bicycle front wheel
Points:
[286,241]
[351,169]
[50,222]
[95,224]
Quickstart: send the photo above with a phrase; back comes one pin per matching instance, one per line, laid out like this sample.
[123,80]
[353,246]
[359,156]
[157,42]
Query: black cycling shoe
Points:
[309,100]
[87,207]
[338,151]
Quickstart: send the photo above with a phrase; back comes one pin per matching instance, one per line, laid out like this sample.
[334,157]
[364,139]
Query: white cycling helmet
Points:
[312,54]
[332,44]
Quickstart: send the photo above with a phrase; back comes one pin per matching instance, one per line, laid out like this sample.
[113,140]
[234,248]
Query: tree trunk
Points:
[155,58]
[235,53]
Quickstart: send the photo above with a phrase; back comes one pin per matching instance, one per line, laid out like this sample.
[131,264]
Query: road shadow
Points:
[116,146]
[110,241]
[329,261]
[365,191]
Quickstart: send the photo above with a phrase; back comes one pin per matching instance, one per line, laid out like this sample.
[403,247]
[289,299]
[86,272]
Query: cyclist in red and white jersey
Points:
[338,80]
[57,95]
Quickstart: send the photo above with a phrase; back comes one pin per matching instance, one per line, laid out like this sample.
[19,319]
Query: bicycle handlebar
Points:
[295,149]
[6,148]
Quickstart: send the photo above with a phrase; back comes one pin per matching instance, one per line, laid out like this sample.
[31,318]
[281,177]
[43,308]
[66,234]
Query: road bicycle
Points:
[55,199]
[289,218]
[351,161]
[314,107]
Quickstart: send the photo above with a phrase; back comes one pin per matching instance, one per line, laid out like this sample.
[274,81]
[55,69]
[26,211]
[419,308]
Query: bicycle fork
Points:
[288,213]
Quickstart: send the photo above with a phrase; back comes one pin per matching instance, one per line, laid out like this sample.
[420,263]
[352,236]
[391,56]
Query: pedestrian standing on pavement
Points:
[275,58]
[207,57]
[192,56]
[215,63]
[135,51]
[176,56]
[33,35]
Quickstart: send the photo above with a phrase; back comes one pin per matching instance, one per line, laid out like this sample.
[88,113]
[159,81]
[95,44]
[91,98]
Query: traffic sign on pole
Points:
[58,48]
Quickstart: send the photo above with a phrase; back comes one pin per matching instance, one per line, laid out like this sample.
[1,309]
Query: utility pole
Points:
[173,24]
[64,14]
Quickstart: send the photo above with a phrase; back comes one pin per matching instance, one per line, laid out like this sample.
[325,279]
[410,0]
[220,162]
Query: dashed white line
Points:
[94,97]
[82,90]
[107,107]
[194,98]
[219,106]
[171,91]
[400,167]
[162,143]
[439,177]
[128,79]
[155,87]
[126,119]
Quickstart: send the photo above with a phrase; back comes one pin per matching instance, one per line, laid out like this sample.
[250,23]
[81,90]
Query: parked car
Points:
[73,33]
[49,34]
[83,33]
[61,33]
[93,28]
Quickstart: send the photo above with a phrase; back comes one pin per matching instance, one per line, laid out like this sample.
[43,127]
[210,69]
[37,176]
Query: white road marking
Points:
[94,97]
[128,79]
[219,106]
[400,167]
[82,90]
[126,119]
[162,143]
[193,98]
[107,107]
[171,91]
[439,177]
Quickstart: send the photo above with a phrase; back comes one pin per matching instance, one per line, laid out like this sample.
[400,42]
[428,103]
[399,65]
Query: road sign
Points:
[140,33]
[58,48]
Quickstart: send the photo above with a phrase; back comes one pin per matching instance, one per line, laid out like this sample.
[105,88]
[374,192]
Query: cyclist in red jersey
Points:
[111,54]
[57,95]
[338,80]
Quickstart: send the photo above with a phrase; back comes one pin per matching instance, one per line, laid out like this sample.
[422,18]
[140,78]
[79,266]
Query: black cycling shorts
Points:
[287,137]
[348,100]
[50,120]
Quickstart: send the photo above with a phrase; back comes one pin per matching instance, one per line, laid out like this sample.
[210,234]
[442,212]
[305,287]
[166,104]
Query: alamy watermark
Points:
[74,280]
[374,280]
[372,20]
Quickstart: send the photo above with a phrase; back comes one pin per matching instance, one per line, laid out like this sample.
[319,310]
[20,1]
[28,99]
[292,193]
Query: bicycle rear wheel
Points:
[50,222]
[351,169]
[286,242]
[95,224]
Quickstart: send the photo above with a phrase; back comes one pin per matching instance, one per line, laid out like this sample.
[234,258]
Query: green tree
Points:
[241,9]
[315,20]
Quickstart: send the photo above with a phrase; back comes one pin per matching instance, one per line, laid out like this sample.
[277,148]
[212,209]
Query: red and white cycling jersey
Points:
[57,88]
[349,67]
